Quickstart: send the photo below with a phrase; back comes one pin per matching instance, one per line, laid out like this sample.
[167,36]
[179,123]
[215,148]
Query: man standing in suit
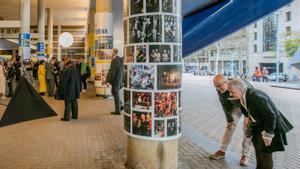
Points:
[115,78]
[232,110]
[268,133]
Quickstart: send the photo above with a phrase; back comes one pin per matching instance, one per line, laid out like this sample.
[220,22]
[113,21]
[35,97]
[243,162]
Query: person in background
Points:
[41,78]
[257,74]
[233,113]
[269,132]
[56,71]
[10,78]
[265,74]
[2,81]
[69,90]
[83,72]
[50,79]
[115,78]
[17,66]
[35,70]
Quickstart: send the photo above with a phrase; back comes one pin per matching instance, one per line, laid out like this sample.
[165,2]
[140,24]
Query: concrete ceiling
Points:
[66,12]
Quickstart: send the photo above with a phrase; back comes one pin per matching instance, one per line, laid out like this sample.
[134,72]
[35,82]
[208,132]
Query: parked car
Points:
[282,77]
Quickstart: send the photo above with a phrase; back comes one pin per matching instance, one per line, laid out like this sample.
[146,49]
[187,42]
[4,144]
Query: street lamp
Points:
[277,46]
[233,54]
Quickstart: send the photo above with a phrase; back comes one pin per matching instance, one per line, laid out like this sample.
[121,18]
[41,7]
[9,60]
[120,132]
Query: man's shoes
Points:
[244,160]
[73,117]
[64,119]
[116,113]
[219,154]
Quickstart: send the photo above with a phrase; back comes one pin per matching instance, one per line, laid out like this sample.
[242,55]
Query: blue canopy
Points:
[213,23]
[296,58]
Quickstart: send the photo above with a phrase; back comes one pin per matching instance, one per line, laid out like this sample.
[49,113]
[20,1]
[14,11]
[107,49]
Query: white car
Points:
[282,77]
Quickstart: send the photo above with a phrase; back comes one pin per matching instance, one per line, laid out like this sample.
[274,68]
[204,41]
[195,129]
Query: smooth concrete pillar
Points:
[25,36]
[103,31]
[41,30]
[143,154]
[50,32]
[58,45]
[91,43]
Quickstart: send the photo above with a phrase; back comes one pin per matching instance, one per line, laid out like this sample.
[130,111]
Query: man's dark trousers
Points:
[71,104]
[115,92]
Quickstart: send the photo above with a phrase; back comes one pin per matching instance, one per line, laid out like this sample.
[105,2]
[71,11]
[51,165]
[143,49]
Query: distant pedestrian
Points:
[265,74]
[41,78]
[232,110]
[257,74]
[10,78]
[69,90]
[50,77]
[268,125]
[115,78]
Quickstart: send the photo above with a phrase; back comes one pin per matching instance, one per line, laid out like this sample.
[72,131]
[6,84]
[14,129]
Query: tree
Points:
[291,45]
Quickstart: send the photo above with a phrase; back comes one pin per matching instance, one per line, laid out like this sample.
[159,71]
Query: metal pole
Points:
[217,59]
[277,47]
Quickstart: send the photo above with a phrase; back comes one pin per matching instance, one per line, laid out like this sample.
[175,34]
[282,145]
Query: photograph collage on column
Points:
[170,77]
[177,54]
[136,7]
[142,123]
[127,101]
[141,54]
[146,28]
[159,53]
[127,123]
[125,78]
[141,77]
[172,28]
[171,127]
[126,32]
[129,54]
[167,6]
[159,128]
[165,104]
[152,6]
[142,100]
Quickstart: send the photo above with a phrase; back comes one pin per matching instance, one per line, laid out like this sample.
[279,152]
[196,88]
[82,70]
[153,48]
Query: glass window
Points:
[255,48]
[288,16]
[255,25]
[269,33]
[288,31]
[255,35]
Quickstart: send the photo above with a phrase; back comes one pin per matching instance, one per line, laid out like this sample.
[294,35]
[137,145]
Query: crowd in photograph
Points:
[165,104]
[142,100]
[160,53]
[159,128]
[141,123]
[141,77]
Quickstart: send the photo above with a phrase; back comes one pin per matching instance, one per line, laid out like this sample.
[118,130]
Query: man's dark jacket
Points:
[116,71]
[228,105]
[70,85]
[267,118]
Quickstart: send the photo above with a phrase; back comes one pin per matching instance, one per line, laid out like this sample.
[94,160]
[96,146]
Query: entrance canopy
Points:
[208,25]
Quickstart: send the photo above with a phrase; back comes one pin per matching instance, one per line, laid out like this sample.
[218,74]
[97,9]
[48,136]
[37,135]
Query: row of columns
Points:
[25,31]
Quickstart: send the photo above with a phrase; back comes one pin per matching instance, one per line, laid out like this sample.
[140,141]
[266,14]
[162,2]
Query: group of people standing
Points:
[264,124]
[261,75]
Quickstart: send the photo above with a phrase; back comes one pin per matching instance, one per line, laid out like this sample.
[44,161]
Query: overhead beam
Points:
[10,24]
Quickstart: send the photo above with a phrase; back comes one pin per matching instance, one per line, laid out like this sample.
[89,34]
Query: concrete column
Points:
[91,43]
[58,46]
[41,30]
[103,38]
[25,36]
[152,86]
[50,32]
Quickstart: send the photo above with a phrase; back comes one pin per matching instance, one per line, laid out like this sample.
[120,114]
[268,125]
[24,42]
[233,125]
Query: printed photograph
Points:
[129,54]
[172,29]
[172,127]
[127,102]
[137,7]
[152,6]
[145,29]
[177,56]
[170,77]
[141,77]
[127,124]
[159,53]
[165,104]
[101,76]
[167,6]
[126,30]
[125,79]
[141,123]
[141,54]
[159,128]
[142,100]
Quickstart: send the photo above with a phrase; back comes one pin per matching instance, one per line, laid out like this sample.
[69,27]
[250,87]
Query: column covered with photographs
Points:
[152,57]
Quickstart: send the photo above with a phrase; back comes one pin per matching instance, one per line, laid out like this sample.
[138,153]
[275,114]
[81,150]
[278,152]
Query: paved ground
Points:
[96,140]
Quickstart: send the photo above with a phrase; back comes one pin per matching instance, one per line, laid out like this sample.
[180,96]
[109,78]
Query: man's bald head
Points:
[220,82]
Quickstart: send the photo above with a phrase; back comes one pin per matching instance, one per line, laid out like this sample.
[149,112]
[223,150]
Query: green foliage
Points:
[291,45]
